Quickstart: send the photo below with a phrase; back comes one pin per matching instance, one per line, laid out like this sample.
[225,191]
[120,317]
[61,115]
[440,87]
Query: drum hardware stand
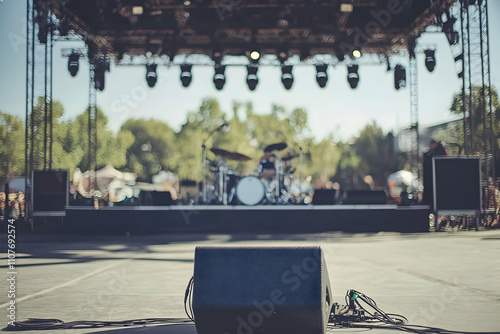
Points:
[204,160]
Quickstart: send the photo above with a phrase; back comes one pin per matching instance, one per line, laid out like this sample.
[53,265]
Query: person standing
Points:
[436,148]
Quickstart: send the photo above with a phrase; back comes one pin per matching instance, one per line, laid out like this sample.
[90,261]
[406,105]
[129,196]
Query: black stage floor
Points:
[255,219]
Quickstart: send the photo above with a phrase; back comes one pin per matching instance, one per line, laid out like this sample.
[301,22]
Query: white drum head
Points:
[250,190]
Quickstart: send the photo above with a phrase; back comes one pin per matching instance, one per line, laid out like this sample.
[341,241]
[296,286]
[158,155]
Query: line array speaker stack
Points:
[275,290]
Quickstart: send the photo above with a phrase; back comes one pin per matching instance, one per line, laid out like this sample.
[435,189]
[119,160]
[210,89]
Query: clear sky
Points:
[335,109]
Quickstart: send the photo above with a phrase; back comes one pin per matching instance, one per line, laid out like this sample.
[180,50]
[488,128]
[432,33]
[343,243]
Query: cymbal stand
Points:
[279,172]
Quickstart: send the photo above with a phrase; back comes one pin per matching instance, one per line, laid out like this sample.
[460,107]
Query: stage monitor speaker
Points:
[324,197]
[275,290]
[365,197]
[457,184]
[50,190]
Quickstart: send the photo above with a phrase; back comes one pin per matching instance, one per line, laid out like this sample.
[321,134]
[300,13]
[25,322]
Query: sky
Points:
[336,109]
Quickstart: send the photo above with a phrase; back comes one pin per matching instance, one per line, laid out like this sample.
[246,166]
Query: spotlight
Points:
[356,53]
[101,66]
[399,77]
[353,76]
[219,77]
[286,76]
[186,75]
[451,34]
[99,78]
[73,63]
[321,75]
[217,55]
[252,79]
[151,75]
[254,56]
[283,55]
[430,60]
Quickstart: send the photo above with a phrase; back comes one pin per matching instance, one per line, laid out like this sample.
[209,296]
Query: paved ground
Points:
[447,280]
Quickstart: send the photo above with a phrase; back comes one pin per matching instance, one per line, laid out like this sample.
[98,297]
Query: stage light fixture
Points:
[217,55]
[283,55]
[252,79]
[100,68]
[321,75]
[353,76]
[186,75]
[430,60]
[254,56]
[287,76]
[399,77]
[356,53]
[151,75]
[346,7]
[73,63]
[137,10]
[219,76]
[451,34]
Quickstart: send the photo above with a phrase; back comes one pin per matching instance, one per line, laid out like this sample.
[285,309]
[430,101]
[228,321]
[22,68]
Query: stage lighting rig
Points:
[321,75]
[73,63]
[430,60]
[287,76]
[399,77]
[353,76]
[252,79]
[219,76]
[186,75]
[151,75]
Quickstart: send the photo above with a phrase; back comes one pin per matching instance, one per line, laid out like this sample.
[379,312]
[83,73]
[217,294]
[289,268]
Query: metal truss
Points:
[472,60]
[92,126]
[38,115]
[414,131]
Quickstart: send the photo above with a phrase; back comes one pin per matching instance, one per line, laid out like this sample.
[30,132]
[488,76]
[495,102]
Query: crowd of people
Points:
[12,205]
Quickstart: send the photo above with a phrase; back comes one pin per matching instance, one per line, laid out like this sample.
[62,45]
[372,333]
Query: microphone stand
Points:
[204,161]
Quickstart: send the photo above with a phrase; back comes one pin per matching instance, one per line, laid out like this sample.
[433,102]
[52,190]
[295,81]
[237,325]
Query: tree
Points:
[153,148]
[12,148]
[111,149]
[477,117]
[376,154]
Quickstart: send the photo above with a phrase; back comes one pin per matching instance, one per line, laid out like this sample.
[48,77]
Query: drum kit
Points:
[269,184]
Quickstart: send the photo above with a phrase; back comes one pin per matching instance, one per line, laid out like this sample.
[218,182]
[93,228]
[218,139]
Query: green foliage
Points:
[146,146]
[12,148]
[477,117]
[151,147]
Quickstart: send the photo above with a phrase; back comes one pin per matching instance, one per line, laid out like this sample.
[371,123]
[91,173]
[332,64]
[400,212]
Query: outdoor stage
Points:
[255,219]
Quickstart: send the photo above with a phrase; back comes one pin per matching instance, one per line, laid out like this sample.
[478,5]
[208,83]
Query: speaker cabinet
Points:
[50,190]
[275,290]
[457,184]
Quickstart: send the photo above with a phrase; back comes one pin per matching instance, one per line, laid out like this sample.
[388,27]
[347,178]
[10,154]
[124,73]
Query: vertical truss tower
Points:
[473,67]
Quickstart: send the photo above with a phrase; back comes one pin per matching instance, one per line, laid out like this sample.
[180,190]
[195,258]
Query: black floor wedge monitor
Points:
[275,290]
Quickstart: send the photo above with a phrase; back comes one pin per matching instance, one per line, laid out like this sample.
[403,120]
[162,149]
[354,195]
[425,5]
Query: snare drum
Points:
[250,190]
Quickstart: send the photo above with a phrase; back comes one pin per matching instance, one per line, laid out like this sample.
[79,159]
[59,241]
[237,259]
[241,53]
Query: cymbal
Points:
[275,147]
[289,157]
[229,155]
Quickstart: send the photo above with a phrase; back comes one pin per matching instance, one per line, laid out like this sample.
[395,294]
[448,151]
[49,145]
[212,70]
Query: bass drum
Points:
[250,190]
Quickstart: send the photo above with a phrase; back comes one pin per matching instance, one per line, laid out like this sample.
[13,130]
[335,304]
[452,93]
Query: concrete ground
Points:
[446,280]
